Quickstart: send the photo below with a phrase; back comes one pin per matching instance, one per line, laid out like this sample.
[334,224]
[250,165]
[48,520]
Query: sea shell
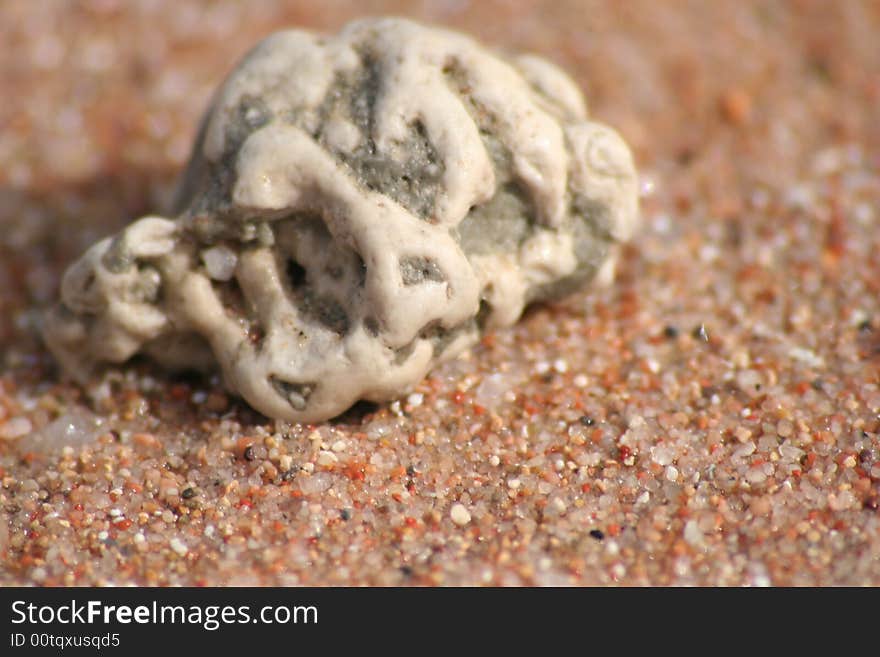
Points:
[357,208]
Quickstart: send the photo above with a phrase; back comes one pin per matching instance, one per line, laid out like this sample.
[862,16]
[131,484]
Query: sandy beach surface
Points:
[710,418]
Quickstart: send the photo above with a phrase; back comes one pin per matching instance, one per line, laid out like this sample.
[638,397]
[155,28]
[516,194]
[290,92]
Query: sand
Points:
[710,418]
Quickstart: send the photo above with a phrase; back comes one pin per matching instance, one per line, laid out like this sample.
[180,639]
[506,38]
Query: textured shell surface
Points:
[356,208]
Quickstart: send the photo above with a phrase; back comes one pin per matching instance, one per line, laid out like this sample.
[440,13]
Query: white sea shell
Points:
[357,208]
